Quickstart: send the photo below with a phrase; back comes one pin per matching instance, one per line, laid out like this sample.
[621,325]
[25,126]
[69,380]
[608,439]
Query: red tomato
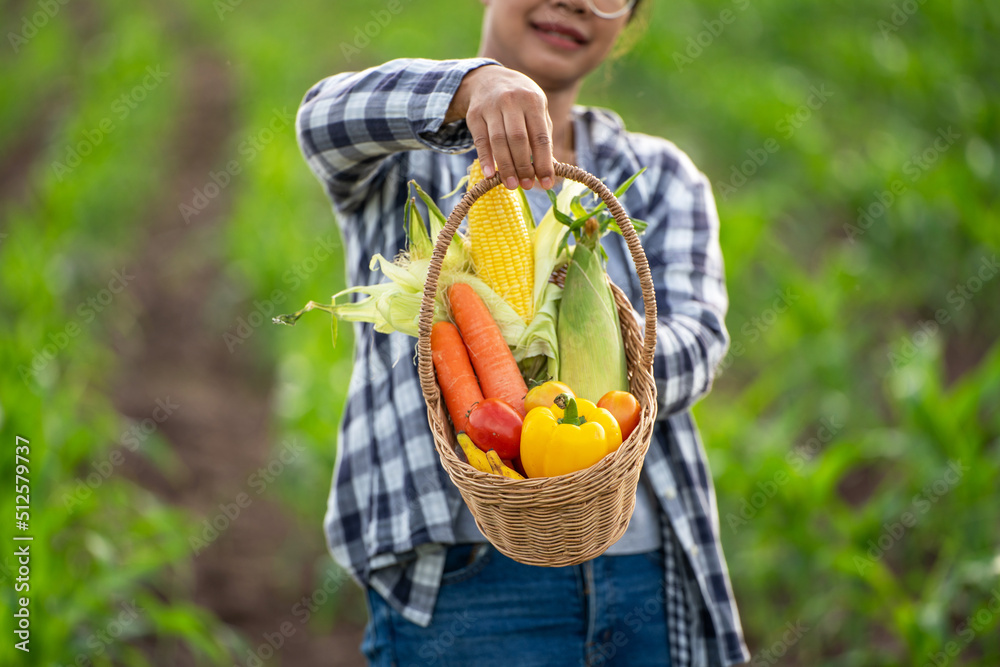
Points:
[544,394]
[516,465]
[624,407]
[494,424]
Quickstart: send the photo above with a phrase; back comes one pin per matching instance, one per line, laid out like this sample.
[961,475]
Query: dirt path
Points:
[220,429]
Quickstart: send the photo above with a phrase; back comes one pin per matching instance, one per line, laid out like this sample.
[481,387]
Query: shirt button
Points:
[670,493]
[694,549]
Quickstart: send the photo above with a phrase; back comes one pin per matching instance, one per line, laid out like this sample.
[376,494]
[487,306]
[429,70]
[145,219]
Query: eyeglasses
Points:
[611,9]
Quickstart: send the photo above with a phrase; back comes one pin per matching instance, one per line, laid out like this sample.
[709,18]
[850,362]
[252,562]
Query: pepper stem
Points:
[571,413]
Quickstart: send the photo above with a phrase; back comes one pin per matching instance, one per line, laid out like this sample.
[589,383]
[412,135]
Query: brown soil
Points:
[220,432]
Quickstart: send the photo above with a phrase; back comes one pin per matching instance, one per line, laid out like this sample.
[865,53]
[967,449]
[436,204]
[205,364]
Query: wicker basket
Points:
[552,521]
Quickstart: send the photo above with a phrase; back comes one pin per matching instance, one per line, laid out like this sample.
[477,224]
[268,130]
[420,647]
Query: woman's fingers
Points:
[500,147]
[481,140]
[540,134]
[520,149]
[508,118]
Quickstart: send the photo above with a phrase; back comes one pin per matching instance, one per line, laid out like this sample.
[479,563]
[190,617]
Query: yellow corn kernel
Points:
[501,246]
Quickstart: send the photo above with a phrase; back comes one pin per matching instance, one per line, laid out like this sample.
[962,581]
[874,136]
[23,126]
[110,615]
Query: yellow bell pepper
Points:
[560,440]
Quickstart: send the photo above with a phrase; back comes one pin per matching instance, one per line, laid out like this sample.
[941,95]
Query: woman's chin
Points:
[551,71]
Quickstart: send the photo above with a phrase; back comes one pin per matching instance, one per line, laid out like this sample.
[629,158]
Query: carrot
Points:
[495,367]
[454,372]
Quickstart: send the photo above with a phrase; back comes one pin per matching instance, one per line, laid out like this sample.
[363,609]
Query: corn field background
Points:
[155,212]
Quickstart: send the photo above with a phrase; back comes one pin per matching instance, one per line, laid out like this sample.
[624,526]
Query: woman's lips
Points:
[561,36]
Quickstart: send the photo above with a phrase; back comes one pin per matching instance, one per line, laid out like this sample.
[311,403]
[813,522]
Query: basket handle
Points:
[426,368]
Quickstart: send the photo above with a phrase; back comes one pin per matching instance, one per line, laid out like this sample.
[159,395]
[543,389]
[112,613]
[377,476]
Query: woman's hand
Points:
[508,116]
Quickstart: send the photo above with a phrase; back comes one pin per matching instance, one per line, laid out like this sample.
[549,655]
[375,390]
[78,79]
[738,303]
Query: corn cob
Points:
[501,246]
[591,350]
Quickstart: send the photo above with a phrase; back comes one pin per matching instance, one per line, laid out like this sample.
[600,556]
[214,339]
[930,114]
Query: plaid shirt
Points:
[392,507]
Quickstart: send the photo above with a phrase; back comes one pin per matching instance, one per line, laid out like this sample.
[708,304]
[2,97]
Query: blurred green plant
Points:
[109,571]
[853,430]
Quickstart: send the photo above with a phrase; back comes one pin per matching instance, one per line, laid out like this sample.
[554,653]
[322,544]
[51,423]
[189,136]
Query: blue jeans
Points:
[493,610]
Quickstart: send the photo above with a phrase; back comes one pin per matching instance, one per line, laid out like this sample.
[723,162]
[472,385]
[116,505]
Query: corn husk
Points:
[394,304]
[589,331]
[577,341]
[550,252]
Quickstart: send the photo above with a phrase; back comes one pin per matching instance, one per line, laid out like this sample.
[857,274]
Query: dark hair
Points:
[635,8]
[633,31]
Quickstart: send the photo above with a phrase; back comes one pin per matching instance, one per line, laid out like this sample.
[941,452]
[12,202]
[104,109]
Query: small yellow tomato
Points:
[544,395]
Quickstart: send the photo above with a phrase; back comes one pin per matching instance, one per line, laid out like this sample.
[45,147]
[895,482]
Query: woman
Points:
[437,592]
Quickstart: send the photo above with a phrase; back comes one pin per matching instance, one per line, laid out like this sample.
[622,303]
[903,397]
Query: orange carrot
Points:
[454,372]
[495,367]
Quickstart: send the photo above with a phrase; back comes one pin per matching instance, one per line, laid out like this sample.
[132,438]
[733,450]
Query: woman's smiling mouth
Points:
[559,35]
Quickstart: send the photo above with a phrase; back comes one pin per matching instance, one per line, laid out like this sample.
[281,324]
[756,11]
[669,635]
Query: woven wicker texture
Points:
[551,521]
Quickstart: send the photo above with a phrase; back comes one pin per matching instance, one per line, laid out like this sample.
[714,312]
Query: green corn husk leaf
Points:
[618,192]
[540,340]
[457,257]
[405,272]
[390,306]
[638,225]
[395,306]
[550,249]
[577,208]
[605,220]
[416,231]
[529,217]
[591,349]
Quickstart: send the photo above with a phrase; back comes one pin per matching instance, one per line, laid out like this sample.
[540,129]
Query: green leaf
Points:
[416,231]
[552,239]
[628,183]
[437,218]
[462,182]
[458,255]
[529,218]
[560,216]
[619,191]
[638,225]
[578,210]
